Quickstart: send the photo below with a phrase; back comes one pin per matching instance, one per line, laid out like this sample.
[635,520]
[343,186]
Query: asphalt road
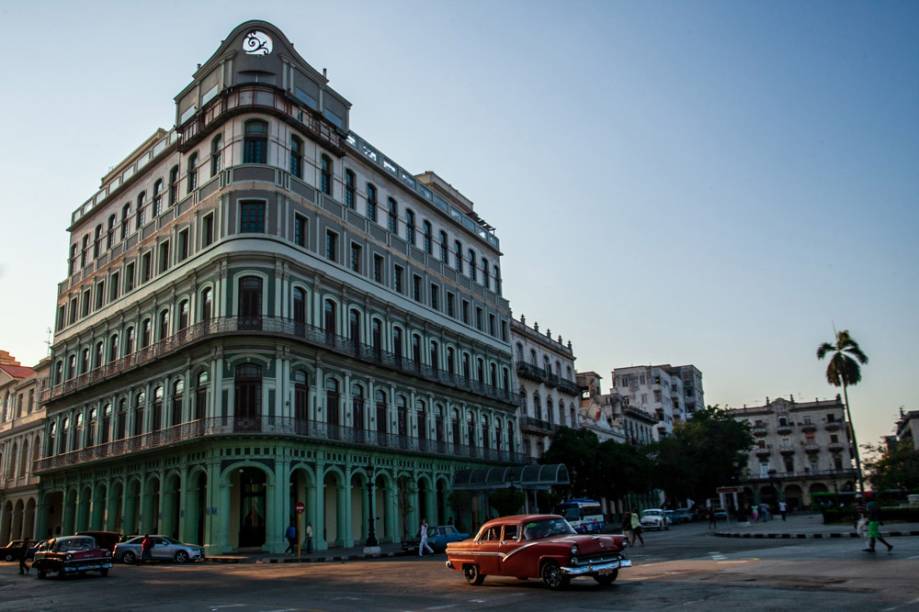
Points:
[682,568]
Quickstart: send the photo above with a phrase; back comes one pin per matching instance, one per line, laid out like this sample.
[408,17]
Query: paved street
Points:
[685,568]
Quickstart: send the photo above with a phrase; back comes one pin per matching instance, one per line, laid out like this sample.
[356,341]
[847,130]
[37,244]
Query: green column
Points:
[98,508]
[278,498]
[222,518]
[344,514]
[129,512]
[146,508]
[41,517]
[319,542]
[113,503]
[190,508]
[83,501]
[392,519]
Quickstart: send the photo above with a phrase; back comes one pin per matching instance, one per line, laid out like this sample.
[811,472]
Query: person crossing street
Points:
[423,542]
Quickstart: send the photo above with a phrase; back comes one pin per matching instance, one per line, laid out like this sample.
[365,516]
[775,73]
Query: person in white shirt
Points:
[424,539]
[783,509]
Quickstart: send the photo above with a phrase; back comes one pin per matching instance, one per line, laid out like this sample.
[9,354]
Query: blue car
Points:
[438,538]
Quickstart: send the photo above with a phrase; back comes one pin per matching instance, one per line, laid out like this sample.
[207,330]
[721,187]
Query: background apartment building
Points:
[908,428]
[800,448]
[549,395]
[21,431]
[669,393]
[261,308]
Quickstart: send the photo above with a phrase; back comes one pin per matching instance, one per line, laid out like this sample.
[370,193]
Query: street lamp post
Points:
[371,531]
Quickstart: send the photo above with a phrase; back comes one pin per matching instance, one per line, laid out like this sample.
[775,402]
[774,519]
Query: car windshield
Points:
[572,513]
[536,530]
[651,513]
[74,544]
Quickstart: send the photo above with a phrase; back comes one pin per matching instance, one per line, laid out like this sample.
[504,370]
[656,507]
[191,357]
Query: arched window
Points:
[485,273]
[371,202]
[397,342]
[121,419]
[106,423]
[129,341]
[493,375]
[349,189]
[216,151]
[178,393]
[65,435]
[354,328]
[164,324]
[255,142]
[298,310]
[173,185]
[470,430]
[506,380]
[537,405]
[357,409]
[410,226]
[467,373]
[416,350]
[296,156]
[157,412]
[382,420]
[428,237]
[435,355]
[110,235]
[301,401]
[332,405]
[498,434]
[444,247]
[140,405]
[421,417]
[71,366]
[486,438]
[113,348]
[325,174]
[376,336]
[451,361]
[191,173]
[250,302]
[248,392]
[183,314]
[100,354]
[393,215]
[201,395]
[58,372]
[473,269]
[84,361]
[91,429]
[458,255]
[157,197]
[207,305]
[480,370]
[52,438]
[329,317]
[139,215]
[77,432]
[519,348]
[97,241]
[455,427]
[402,416]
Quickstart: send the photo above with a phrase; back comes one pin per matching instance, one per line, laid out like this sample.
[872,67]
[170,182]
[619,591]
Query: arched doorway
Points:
[6,522]
[422,501]
[28,519]
[171,495]
[252,507]
[382,511]
[333,491]
[197,505]
[54,503]
[360,507]
[150,507]
[769,496]
[83,508]
[114,519]
[132,505]
[303,490]
[250,302]
[100,499]
[794,497]
[16,525]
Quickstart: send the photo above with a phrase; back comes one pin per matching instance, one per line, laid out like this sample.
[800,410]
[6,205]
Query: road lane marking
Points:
[902,605]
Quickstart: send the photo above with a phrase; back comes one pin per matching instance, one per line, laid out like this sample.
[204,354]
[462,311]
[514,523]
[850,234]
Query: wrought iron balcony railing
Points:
[288,328]
[315,431]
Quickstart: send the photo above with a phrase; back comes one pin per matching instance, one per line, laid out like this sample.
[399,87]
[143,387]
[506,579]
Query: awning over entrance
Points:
[532,476]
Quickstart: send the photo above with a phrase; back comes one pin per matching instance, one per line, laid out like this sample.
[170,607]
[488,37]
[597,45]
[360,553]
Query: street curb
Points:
[330,559]
[814,536]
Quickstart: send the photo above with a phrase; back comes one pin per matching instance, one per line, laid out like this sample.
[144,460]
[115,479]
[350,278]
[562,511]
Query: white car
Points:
[164,549]
[654,518]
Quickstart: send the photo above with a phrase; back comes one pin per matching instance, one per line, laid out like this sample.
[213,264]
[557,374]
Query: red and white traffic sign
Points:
[300,507]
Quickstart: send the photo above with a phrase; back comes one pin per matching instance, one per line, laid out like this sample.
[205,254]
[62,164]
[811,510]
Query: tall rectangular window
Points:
[331,245]
[146,267]
[399,278]
[410,226]
[100,295]
[478,319]
[296,156]
[378,266]
[435,297]
[114,286]
[349,189]
[371,202]
[356,257]
[191,173]
[183,245]
[466,312]
[444,247]
[255,142]
[207,230]
[451,305]
[252,217]
[300,225]
[416,288]
[458,254]
[393,216]
[125,213]
[129,277]
[164,257]
[491,325]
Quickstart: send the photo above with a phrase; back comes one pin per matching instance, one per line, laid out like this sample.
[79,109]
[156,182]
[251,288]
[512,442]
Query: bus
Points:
[585,515]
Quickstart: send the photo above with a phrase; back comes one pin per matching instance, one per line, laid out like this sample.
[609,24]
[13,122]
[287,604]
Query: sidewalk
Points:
[334,554]
[801,526]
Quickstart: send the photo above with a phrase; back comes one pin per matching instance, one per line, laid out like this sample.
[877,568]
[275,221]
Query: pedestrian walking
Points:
[291,535]
[627,527]
[146,550]
[23,560]
[309,538]
[423,542]
[783,509]
[874,527]
[712,519]
[636,529]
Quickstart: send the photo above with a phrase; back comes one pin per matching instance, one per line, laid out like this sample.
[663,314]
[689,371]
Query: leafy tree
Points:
[895,469]
[506,501]
[843,370]
[708,451]
[577,449]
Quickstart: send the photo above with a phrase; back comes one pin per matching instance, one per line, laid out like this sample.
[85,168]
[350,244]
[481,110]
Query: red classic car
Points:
[72,555]
[537,546]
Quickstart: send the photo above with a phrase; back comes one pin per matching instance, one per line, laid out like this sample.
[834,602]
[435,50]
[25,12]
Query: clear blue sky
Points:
[684,182]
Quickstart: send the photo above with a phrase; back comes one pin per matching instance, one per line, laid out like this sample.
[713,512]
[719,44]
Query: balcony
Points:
[528,370]
[811,447]
[784,430]
[284,328]
[787,450]
[568,386]
[808,427]
[537,426]
[297,429]
[249,98]
[832,425]
[836,447]
[764,451]
[822,474]
[760,431]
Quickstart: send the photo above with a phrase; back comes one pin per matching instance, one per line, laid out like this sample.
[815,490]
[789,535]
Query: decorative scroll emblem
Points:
[257,42]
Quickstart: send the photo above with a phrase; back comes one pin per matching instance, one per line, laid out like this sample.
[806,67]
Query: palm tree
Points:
[844,370]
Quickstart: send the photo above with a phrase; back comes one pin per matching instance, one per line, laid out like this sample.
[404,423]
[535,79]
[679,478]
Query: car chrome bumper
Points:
[449,564]
[87,568]
[595,568]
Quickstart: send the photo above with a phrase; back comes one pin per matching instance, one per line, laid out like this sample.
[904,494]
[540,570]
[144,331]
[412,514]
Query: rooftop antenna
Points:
[48,341]
[325,73]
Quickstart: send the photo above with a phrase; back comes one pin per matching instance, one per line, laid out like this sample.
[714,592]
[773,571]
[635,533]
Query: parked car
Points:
[654,518]
[105,539]
[164,549]
[542,546]
[721,514]
[72,555]
[13,551]
[680,515]
[438,538]
[33,548]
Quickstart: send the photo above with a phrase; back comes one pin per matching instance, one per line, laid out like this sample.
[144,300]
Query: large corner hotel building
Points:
[262,309]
